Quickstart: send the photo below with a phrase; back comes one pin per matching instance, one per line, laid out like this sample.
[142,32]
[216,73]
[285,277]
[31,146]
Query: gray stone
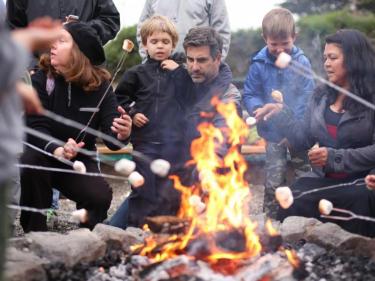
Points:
[257,199]
[21,266]
[118,238]
[79,245]
[310,252]
[296,228]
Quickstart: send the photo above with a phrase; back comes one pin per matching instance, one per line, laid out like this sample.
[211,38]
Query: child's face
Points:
[278,45]
[159,46]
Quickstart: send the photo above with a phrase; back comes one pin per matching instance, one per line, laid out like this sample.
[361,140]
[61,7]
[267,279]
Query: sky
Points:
[242,13]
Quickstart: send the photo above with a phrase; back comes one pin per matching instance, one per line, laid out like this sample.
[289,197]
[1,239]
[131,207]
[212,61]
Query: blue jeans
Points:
[120,218]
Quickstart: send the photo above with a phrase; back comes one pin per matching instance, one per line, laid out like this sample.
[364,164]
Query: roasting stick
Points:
[326,207]
[286,198]
[79,216]
[284,60]
[127,47]
[44,168]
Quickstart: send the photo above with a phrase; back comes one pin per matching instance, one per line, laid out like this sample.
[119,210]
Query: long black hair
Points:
[359,62]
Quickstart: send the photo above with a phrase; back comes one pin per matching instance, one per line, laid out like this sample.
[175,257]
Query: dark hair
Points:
[359,62]
[204,36]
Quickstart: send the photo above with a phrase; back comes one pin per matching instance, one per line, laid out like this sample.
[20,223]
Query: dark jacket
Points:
[59,103]
[102,15]
[153,91]
[196,98]
[353,151]
[264,77]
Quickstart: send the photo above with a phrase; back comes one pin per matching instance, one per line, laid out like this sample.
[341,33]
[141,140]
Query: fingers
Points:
[169,64]
[121,110]
[122,126]
[318,156]
[71,148]
[370,181]
[140,120]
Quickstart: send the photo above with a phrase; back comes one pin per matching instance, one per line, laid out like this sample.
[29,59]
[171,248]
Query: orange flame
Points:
[222,193]
[292,258]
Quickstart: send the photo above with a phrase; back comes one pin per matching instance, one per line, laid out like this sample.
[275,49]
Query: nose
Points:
[194,66]
[280,49]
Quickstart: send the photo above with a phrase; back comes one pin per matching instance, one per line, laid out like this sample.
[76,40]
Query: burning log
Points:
[167,224]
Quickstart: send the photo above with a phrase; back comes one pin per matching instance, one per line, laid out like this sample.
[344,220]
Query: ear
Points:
[218,57]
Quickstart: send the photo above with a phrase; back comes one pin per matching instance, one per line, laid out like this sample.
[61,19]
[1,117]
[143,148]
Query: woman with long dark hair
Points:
[339,132]
[72,83]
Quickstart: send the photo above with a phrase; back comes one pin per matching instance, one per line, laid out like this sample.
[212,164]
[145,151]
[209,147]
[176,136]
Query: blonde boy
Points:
[279,34]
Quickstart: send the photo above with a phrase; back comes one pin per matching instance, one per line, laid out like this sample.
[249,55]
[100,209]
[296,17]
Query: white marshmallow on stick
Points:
[79,167]
[277,96]
[160,167]
[127,45]
[325,207]
[136,179]
[125,166]
[283,60]
[80,216]
[251,121]
[196,202]
[284,196]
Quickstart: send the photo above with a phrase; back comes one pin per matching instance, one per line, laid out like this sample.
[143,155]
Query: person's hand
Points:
[268,110]
[70,149]
[39,34]
[169,65]
[30,99]
[122,125]
[140,120]
[318,156]
[370,182]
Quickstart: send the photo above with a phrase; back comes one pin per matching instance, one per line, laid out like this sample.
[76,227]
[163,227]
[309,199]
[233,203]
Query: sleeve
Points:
[253,89]
[307,85]
[352,160]
[108,111]
[146,13]
[16,13]
[183,83]
[219,20]
[106,20]
[38,122]
[126,90]
[296,130]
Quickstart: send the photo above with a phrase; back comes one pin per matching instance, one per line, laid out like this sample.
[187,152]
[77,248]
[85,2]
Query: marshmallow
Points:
[125,166]
[277,96]
[79,167]
[283,60]
[80,216]
[128,45]
[284,196]
[194,200]
[160,167]
[136,179]
[315,146]
[251,121]
[200,207]
[325,207]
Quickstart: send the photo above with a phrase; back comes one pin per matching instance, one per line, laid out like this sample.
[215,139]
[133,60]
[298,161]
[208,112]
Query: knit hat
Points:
[87,41]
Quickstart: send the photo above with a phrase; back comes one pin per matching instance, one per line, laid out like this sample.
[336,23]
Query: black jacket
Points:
[102,15]
[153,91]
[58,102]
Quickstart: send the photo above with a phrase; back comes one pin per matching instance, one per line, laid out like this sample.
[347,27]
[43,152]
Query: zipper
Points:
[69,94]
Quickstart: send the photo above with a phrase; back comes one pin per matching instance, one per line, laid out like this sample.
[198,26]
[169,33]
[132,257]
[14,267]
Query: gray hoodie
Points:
[186,14]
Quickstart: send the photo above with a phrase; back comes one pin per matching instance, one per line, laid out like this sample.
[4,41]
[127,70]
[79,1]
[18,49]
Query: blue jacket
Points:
[264,77]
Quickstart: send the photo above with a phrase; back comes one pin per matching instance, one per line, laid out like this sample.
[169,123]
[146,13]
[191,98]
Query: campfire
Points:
[213,223]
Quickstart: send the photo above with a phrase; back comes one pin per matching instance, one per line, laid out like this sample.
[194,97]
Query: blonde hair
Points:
[278,24]
[158,23]
[79,71]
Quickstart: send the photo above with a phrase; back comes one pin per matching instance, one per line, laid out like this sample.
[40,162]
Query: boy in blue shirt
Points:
[278,31]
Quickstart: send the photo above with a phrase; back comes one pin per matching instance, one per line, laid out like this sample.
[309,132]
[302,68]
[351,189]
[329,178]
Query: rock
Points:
[310,252]
[118,238]
[24,266]
[295,228]
[79,245]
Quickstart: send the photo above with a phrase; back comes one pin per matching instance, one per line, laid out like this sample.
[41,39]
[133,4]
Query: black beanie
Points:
[87,41]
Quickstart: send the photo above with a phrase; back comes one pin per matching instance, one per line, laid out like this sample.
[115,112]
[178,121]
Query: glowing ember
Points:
[225,194]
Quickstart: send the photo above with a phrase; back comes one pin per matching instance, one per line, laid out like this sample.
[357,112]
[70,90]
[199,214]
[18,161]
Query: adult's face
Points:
[334,65]
[201,66]
[61,51]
